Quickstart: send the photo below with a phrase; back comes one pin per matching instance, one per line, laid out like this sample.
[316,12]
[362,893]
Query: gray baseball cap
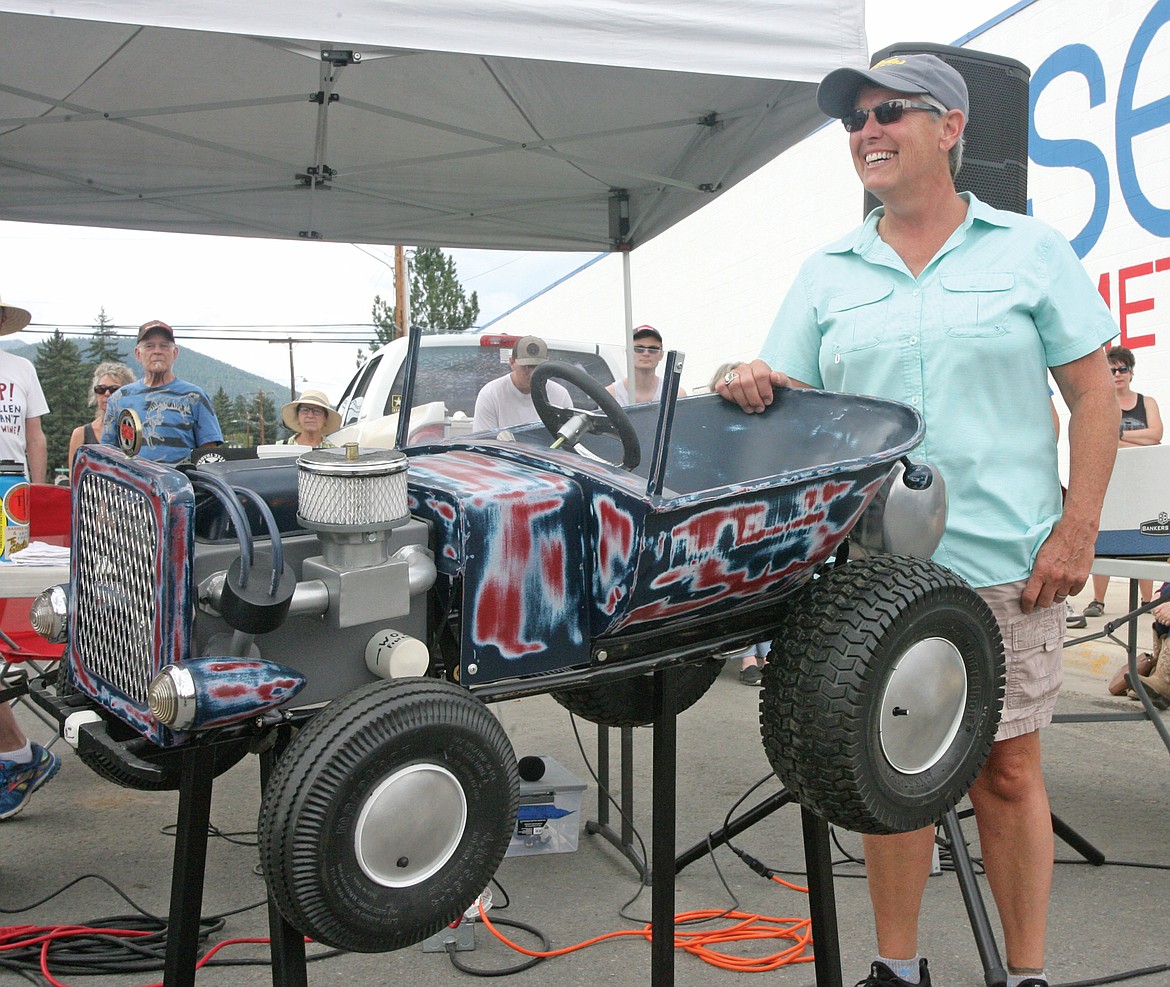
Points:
[911,74]
[530,351]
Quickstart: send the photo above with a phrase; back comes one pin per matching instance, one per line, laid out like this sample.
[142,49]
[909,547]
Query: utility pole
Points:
[260,413]
[401,279]
[292,375]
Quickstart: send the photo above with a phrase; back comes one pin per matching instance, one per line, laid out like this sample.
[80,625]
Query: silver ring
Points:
[1058,597]
[730,376]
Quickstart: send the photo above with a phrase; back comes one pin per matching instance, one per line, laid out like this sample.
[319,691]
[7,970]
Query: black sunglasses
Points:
[647,349]
[884,113]
[105,388]
[1119,370]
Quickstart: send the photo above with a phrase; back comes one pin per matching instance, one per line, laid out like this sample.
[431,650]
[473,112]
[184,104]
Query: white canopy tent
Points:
[508,124]
[579,125]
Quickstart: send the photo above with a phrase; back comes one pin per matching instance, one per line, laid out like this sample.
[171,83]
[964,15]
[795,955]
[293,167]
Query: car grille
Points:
[131,611]
[116,584]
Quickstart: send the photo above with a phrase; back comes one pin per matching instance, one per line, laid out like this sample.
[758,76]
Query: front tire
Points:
[881,705]
[388,815]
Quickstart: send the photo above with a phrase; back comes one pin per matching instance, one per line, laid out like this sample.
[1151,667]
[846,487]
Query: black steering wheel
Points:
[611,418]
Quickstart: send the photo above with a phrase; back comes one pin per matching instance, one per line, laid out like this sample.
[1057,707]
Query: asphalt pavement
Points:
[1107,781]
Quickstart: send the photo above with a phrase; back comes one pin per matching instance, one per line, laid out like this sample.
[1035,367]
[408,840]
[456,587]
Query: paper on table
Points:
[41,553]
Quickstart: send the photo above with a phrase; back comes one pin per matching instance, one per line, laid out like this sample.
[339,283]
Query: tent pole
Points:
[629,300]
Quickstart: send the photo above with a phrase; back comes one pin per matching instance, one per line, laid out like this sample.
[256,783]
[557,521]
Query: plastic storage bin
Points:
[549,817]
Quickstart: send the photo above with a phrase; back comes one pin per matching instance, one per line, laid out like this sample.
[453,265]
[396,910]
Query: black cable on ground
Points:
[91,952]
[1117,978]
[508,970]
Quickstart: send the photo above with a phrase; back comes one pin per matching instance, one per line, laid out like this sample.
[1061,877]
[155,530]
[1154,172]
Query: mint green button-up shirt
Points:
[967,344]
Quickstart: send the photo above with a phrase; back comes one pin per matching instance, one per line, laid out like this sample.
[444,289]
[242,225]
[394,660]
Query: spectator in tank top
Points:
[1141,425]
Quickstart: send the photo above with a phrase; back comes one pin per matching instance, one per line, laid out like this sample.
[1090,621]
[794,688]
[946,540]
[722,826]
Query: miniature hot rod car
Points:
[379,599]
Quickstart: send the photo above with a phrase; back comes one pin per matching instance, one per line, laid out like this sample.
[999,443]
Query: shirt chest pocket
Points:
[976,305]
[855,319]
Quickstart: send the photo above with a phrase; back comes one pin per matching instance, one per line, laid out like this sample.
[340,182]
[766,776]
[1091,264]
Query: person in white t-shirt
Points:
[25,766]
[21,403]
[508,400]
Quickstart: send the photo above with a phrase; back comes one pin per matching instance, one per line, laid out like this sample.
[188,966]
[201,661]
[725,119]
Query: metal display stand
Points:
[623,842]
[665,865]
[189,868]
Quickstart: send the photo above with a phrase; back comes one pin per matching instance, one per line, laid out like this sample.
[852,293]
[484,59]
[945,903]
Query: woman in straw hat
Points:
[311,418]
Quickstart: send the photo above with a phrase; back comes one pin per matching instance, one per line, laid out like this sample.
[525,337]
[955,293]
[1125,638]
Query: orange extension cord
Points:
[701,943]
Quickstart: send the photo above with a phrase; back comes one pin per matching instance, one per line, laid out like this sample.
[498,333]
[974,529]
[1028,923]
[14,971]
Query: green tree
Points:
[438,302]
[263,410]
[221,404]
[104,343]
[242,420]
[64,378]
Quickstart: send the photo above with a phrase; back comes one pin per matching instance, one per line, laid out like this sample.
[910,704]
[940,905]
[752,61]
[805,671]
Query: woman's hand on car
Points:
[750,385]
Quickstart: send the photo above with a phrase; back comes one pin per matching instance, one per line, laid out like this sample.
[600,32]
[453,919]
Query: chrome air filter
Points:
[352,499]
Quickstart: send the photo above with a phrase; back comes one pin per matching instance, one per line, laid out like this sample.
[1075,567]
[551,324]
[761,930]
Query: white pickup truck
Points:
[452,369]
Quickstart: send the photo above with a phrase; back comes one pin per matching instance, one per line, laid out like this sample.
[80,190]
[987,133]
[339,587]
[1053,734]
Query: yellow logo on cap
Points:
[893,60]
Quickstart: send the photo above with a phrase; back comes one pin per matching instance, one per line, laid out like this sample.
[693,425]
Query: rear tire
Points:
[881,701]
[630,702]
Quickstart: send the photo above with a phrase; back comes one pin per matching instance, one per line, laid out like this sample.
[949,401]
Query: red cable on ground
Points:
[24,936]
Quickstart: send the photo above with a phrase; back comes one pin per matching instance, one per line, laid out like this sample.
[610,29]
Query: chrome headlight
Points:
[49,614]
[212,692]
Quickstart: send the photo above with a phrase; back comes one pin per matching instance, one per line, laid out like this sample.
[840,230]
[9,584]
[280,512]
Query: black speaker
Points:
[995,145]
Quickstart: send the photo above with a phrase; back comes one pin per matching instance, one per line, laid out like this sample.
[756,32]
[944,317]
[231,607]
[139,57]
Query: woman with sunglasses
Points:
[310,418]
[107,378]
[1141,425]
[962,311]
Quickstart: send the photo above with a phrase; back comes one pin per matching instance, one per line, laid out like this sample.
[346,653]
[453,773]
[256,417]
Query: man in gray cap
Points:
[508,400]
[961,311]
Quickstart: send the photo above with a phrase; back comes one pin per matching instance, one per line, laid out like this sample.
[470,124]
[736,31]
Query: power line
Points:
[216,333]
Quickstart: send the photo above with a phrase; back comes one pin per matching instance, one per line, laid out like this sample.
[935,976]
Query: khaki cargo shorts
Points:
[1033,645]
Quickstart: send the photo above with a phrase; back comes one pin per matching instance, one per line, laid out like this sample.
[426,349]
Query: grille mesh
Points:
[115,585]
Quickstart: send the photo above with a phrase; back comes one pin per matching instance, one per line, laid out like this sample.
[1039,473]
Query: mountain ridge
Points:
[198,368]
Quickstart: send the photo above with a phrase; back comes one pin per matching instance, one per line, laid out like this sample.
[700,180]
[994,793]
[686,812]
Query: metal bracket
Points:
[462,937]
[340,56]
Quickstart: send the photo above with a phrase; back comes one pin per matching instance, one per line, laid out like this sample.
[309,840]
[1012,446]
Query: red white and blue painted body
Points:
[549,564]
[559,555]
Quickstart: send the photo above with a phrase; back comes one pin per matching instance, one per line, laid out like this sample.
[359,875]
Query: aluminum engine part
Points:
[902,520]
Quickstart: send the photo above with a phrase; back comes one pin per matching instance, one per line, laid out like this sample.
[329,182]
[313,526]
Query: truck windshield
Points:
[455,374]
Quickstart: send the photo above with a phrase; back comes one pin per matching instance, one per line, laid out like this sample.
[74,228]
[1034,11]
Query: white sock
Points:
[22,755]
[1015,979]
[905,969]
